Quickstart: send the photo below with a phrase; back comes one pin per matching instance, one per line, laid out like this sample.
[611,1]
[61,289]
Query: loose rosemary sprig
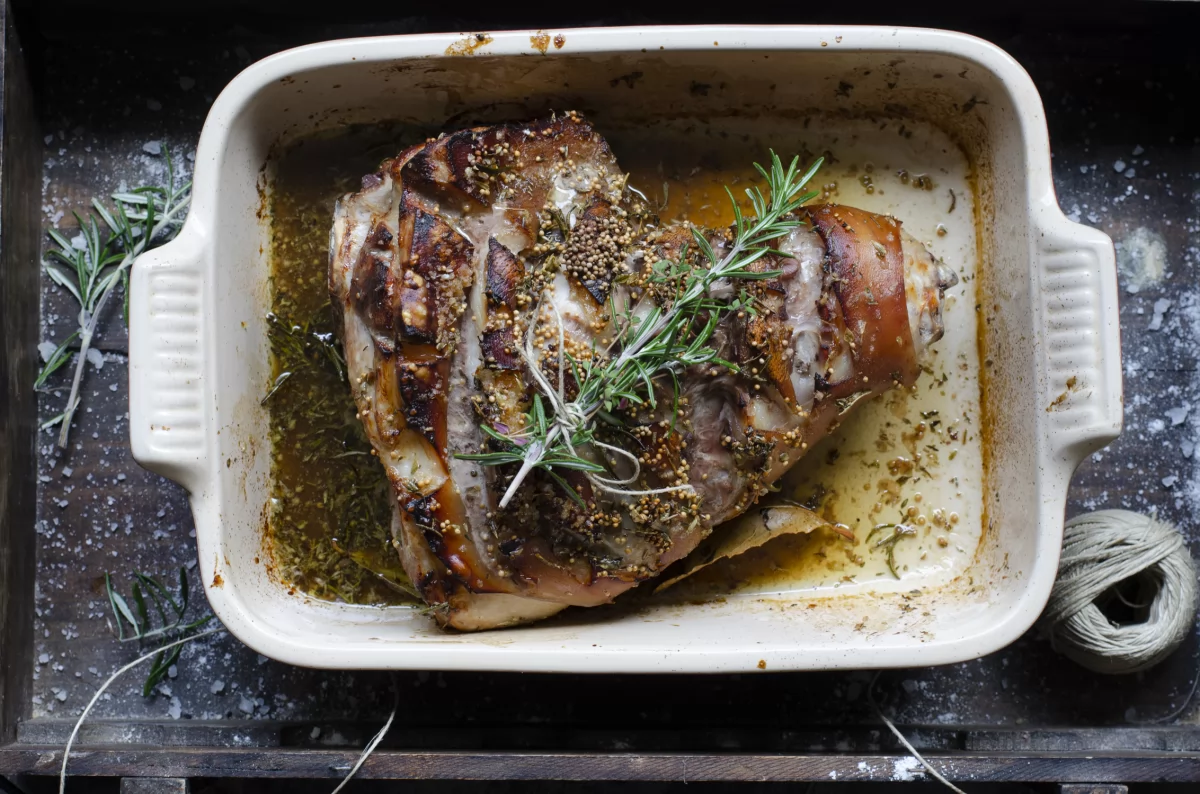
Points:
[666,340]
[135,623]
[141,219]
[888,542]
[301,346]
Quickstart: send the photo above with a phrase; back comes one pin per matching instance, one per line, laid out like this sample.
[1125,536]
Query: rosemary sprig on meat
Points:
[141,219]
[651,345]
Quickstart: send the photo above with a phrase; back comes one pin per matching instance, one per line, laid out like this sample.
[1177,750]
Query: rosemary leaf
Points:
[558,432]
[141,624]
[91,273]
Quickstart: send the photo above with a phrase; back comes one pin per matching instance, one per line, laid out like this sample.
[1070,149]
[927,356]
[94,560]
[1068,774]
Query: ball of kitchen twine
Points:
[1101,550]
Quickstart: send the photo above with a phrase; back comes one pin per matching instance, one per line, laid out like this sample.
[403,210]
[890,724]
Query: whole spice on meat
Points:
[568,395]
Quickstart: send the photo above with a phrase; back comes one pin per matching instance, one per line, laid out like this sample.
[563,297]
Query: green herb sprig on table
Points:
[141,219]
[136,623]
[667,340]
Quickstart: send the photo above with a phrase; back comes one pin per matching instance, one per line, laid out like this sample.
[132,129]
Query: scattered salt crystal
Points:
[176,709]
[1187,448]
[1169,480]
[44,659]
[79,242]
[67,471]
[49,139]
[153,147]
[1177,415]
[1083,169]
[1138,150]
[246,705]
[46,349]
[906,768]
[1160,308]
[1119,166]
[216,687]
[1130,173]
[315,733]
[60,695]
[1156,425]
[172,671]
[95,358]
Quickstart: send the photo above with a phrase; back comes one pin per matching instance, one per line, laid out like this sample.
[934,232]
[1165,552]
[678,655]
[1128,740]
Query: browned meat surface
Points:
[466,261]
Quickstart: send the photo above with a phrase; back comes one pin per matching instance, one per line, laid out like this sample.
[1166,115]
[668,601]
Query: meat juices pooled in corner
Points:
[438,266]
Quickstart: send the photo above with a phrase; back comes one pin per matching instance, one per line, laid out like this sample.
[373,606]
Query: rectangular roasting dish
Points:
[1047,314]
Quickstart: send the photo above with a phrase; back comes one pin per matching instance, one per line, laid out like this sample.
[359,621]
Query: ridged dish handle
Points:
[166,360]
[1080,315]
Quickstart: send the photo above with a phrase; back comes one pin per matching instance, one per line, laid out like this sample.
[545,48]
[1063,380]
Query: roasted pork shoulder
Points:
[469,259]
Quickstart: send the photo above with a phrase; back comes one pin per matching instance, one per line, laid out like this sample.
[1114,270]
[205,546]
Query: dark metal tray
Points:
[94,85]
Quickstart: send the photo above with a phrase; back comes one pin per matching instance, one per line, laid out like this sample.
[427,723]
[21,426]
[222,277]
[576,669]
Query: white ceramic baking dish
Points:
[1051,389]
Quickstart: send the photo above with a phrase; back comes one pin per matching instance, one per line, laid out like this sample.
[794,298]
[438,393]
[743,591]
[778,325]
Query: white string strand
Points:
[62,773]
[900,737]
[375,740]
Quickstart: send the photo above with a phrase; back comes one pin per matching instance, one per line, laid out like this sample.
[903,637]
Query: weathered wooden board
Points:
[692,768]
[20,169]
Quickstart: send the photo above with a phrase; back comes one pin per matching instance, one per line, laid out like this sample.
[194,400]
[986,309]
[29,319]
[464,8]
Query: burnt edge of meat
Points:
[372,287]
[468,162]
[500,349]
[430,304]
[423,389]
[504,274]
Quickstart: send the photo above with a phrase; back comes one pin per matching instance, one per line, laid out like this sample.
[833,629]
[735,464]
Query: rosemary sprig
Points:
[136,623]
[666,340]
[301,345]
[141,219]
[888,542]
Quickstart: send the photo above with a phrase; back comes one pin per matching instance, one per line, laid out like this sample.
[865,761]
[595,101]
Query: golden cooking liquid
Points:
[907,459]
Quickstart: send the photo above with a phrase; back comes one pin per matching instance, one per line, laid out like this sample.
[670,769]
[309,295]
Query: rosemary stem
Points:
[88,329]
[594,403]
[532,458]
[85,343]
[668,344]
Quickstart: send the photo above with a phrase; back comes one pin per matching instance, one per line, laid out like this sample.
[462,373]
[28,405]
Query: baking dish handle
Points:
[166,360]
[1081,322]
